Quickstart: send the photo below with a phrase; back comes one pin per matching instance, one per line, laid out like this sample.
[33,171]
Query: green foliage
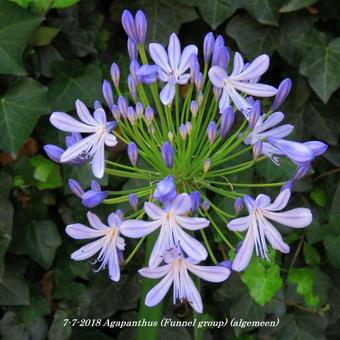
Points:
[263,280]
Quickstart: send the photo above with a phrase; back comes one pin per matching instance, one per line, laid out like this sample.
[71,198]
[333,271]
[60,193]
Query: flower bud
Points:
[254,114]
[75,187]
[97,105]
[132,152]
[194,108]
[238,205]
[139,109]
[141,25]
[211,132]
[132,50]
[128,23]
[208,46]
[165,190]
[53,152]
[221,57]
[183,131]
[131,115]
[282,93]
[226,264]
[132,86]
[134,67]
[257,149]
[122,105]
[205,205]
[167,154]
[206,165]
[115,74]
[188,125]
[149,114]
[107,93]
[195,201]
[227,121]
[115,112]
[120,213]
[170,136]
[199,81]
[133,201]
[194,68]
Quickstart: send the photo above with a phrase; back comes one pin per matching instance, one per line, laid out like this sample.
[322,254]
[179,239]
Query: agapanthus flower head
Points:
[108,242]
[175,271]
[172,222]
[259,229]
[173,65]
[89,198]
[240,80]
[92,146]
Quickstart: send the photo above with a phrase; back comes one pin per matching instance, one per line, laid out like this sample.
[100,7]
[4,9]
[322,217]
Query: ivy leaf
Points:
[164,16]
[214,12]
[16,24]
[265,11]
[263,281]
[311,255]
[332,245]
[41,241]
[321,65]
[304,278]
[6,223]
[74,81]
[20,108]
[297,327]
[294,5]
[251,37]
[57,329]
[13,289]
[43,35]
[334,214]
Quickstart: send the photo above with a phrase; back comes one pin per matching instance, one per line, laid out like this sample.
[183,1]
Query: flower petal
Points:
[95,221]
[174,51]
[317,147]
[79,231]
[163,242]
[138,228]
[114,269]
[209,273]
[256,68]
[100,116]
[238,64]
[217,76]
[88,250]
[224,100]
[257,89]
[155,273]
[84,114]
[192,223]
[295,218]
[98,161]
[153,210]
[110,140]
[193,295]
[279,132]
[245,253]
[159,56]
[114,220]
[280,201]
[273,120]
[262,201]
[65,122]
[181,204]
[186,56]
[167,93]
[239,224]
[92,198]
[274,237]
[157,293]
[238,100]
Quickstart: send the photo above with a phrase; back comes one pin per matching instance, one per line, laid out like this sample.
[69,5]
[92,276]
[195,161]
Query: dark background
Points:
[52,54]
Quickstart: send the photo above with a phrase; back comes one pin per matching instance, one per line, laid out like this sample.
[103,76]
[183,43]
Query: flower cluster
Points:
[188,127]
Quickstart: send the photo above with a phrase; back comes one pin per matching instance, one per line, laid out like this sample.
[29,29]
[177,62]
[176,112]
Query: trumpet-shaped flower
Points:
[259,229]
[172,221]
[173,65]
[241,79]
[108,242]
[176,271]
[92,146]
